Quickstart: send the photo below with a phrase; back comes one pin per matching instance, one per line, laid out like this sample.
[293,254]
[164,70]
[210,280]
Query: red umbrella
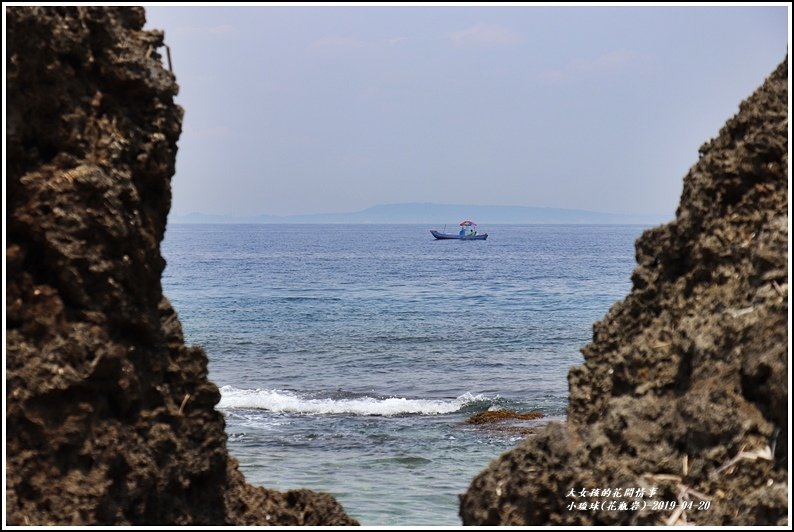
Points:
[467,223]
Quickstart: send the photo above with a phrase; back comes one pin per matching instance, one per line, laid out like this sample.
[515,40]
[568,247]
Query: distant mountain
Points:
[436,213]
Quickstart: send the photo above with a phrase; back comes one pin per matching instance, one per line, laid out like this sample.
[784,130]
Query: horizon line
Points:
[469,205]
[418,223]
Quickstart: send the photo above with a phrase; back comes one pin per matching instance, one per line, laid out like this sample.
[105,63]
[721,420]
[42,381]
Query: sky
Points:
[301,110]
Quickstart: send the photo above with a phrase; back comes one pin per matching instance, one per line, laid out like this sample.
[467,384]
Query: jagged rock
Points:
[684,386]
[110,417]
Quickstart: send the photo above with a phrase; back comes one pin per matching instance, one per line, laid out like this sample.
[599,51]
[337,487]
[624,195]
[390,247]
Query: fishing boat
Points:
[468,231]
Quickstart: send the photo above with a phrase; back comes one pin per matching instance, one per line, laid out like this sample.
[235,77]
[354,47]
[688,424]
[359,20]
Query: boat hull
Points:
[447,236]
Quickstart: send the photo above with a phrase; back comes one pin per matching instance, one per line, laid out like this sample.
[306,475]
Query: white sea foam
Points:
[291,402]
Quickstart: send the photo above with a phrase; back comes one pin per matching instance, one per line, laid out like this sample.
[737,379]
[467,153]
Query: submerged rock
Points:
[683,393]
[492,416]
[110,418]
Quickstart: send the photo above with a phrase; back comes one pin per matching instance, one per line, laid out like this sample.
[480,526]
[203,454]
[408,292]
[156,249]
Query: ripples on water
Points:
[349,356]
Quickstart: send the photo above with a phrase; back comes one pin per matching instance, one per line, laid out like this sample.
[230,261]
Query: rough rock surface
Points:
[110,417]
[684,386]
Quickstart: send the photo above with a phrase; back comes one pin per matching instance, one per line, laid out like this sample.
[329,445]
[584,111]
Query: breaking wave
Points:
[351,404]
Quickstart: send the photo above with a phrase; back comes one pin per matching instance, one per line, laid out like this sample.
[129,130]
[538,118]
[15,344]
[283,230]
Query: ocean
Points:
[350,356]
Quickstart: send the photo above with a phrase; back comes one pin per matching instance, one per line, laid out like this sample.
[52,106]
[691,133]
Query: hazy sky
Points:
[297,110]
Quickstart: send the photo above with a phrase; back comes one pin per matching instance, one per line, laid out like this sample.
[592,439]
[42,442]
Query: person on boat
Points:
[462,232]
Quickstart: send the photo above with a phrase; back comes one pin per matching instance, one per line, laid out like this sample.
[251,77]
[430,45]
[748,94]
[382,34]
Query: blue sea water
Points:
[350,356]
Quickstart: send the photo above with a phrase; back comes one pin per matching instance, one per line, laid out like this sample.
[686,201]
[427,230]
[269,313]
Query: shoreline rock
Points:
[110,417]
[684,387]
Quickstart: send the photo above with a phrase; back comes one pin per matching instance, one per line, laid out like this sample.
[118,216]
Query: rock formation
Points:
[496,416]
[110,417]
[684,386]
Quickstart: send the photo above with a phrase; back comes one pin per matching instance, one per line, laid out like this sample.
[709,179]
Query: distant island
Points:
[435,213]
